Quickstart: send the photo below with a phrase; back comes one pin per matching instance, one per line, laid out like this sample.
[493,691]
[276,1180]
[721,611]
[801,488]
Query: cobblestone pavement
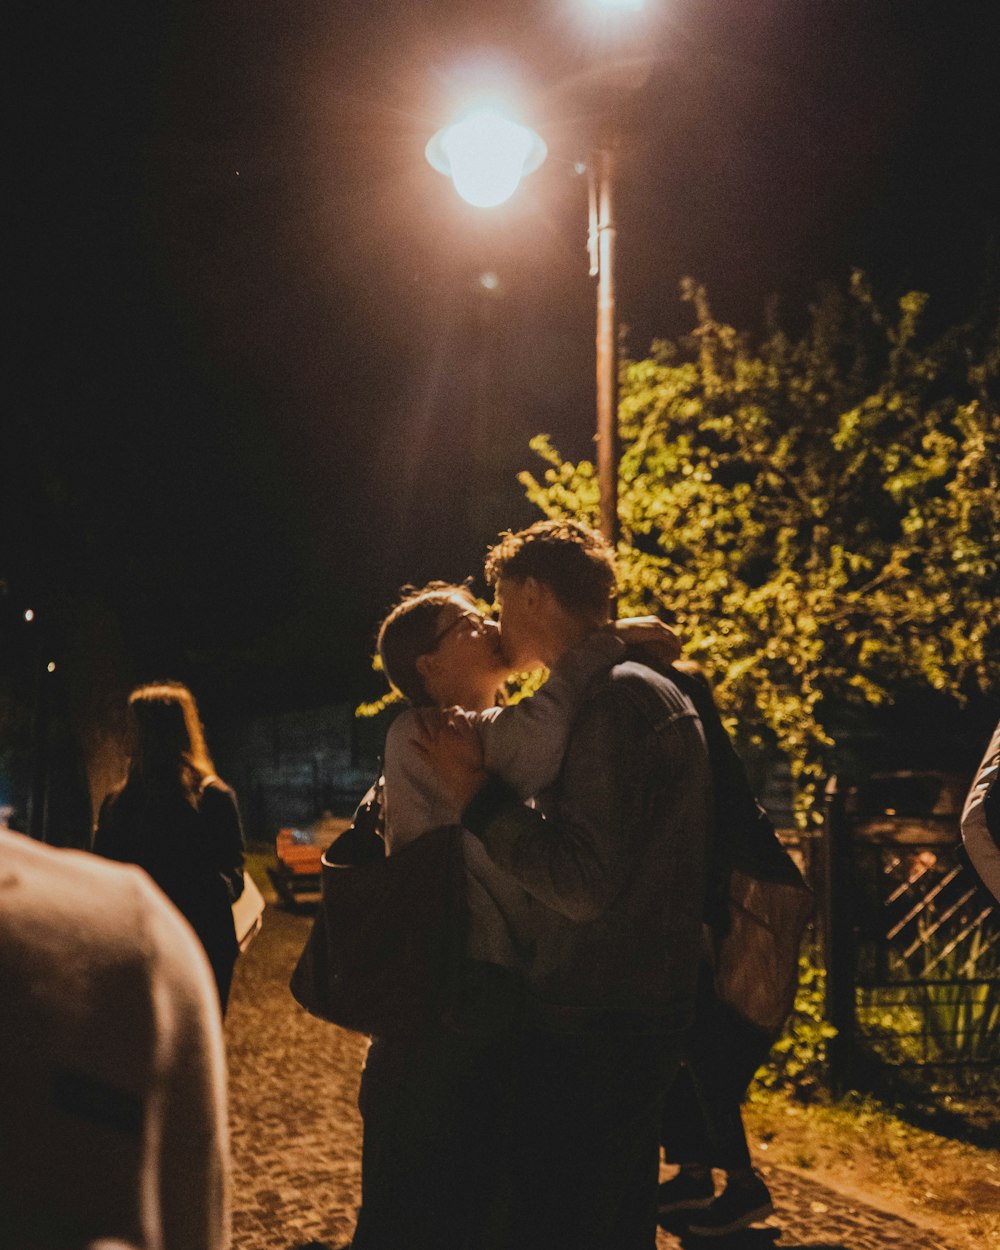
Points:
[296,1132]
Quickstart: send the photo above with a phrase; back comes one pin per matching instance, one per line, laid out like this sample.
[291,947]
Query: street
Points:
[296,1132]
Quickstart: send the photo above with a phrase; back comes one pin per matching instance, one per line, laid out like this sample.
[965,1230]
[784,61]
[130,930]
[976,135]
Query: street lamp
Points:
[486,154]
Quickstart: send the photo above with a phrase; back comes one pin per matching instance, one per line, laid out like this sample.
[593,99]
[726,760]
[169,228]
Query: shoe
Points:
[687,1191]
[740,1204]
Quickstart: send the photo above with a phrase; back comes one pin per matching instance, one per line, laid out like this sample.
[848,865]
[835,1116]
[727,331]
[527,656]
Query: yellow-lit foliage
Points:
[819,515]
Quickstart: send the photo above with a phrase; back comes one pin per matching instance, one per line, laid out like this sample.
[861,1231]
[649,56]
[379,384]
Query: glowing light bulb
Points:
[486,155]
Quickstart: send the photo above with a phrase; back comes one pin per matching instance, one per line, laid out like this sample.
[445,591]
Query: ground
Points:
[296,1137]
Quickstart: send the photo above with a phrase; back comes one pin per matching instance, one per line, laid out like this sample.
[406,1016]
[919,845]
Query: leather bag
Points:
[758,904]
[756,958]
[388,940]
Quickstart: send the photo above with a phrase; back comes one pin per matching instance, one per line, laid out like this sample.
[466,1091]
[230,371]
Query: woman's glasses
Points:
[476,623]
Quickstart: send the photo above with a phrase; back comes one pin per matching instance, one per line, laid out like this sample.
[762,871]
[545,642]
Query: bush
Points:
[797,1062]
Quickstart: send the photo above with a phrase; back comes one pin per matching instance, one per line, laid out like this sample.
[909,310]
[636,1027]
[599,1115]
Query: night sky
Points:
[258,383]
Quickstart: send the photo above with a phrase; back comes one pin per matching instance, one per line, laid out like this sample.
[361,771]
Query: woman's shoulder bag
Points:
[389,934]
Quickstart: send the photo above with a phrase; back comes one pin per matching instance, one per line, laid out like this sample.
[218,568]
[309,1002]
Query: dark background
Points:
[257,383]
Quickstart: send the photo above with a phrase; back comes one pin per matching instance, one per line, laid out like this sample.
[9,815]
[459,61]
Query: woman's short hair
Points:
[573,560]
[411,630]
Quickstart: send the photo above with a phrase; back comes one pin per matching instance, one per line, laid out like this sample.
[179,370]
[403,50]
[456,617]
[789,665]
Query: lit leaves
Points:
[819,515]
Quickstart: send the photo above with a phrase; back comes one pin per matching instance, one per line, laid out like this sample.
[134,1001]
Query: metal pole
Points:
[38,796]
[607,346]
[838,935]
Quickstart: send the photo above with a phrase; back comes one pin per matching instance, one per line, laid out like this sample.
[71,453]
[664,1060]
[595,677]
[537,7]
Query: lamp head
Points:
[486,154]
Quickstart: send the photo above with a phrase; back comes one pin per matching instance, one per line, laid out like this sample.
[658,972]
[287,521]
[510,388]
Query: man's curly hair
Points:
[573,560]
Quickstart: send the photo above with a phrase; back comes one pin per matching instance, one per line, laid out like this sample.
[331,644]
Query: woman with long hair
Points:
[176,819]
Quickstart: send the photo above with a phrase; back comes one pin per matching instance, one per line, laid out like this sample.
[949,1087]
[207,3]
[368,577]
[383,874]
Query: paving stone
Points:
[296,1132]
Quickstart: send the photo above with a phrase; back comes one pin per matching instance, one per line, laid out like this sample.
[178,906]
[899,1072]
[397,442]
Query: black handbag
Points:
[388,940]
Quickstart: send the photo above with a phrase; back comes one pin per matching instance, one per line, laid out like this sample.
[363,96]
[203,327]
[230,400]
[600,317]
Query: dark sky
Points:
[257,382]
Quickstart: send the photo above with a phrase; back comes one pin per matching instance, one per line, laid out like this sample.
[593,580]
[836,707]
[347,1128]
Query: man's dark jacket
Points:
[617,852]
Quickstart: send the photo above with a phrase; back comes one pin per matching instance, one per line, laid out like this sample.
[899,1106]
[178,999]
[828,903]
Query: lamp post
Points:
[602,238]
[486,154]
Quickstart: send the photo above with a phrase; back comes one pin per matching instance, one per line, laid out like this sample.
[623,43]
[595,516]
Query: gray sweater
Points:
[112,1072]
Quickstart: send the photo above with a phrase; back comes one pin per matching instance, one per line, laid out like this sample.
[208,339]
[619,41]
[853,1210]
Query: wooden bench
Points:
[296,876]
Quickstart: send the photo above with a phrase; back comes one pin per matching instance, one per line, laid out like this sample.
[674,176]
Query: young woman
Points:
[434,1101]
[173,817]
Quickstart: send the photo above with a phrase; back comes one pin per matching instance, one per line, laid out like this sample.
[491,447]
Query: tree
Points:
[818,514]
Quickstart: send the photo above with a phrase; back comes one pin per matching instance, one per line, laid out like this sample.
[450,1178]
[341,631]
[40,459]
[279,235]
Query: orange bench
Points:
[297,856]
[296,876]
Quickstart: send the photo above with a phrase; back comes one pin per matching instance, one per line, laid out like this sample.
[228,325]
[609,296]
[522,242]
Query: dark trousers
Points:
[435,1105]
[702,1116]
[586,1139]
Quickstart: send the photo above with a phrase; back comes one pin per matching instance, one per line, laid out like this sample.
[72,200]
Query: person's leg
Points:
[722,1058]
[434,1108]
[488,1014]
[684,1132]
[587,1141]
[634,1140]
[376,1102]
[420,1189]
[702,1123]
[686,1141]
[722,1063]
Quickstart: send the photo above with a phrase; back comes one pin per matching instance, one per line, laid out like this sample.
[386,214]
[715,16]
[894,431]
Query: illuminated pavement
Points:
[296,1131]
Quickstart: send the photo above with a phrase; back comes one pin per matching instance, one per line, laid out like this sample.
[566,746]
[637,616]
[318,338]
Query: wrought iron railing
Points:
[927,983]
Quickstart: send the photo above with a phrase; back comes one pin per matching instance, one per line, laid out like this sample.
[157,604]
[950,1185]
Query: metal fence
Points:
[912,948]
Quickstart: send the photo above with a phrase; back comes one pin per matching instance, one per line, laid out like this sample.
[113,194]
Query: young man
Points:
[615,849]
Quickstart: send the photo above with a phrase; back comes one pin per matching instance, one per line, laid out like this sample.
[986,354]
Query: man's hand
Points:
[452,749]
[650,633]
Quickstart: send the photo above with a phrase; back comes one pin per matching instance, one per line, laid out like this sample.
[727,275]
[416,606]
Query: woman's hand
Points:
[451,747]
[650,633]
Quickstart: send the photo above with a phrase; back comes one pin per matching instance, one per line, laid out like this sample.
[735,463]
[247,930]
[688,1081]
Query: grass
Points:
[872,1152]
[258,860]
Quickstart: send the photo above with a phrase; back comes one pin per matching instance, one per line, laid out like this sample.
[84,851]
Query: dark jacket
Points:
[743,835]
[616,850]
[194,853]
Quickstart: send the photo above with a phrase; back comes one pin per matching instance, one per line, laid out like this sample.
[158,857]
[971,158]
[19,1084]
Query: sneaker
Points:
[740,1204]
[687,1191]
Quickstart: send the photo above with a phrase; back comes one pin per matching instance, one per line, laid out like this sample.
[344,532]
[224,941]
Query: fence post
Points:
[838,934]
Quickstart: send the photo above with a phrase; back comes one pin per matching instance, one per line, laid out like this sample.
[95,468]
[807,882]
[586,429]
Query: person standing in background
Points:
[176,819]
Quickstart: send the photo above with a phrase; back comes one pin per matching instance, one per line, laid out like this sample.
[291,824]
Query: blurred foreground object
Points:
[981,819]
[112,1073]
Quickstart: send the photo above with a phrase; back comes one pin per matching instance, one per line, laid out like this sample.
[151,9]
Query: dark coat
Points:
[616,849]
[194,853]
